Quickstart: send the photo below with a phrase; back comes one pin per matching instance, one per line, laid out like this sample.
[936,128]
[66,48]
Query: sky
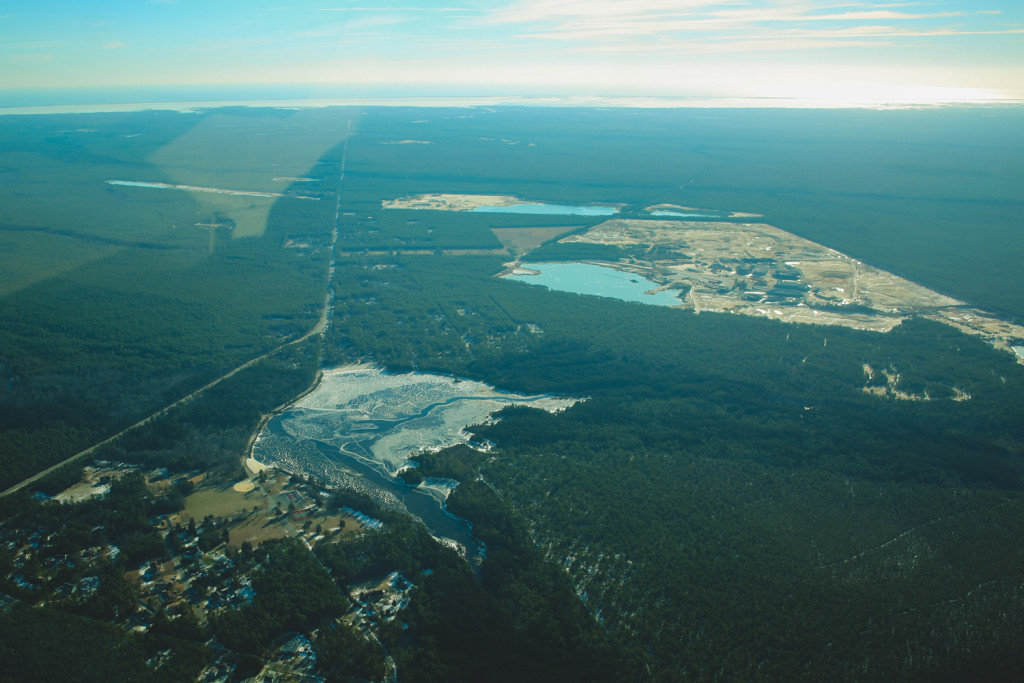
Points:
[942,50]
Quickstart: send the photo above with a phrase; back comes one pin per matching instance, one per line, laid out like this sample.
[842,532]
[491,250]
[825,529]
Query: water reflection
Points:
[588,278]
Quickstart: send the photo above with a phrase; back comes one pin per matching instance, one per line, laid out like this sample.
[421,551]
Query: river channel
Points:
[359,427]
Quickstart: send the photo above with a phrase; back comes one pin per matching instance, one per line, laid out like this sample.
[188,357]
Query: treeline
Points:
[41,644]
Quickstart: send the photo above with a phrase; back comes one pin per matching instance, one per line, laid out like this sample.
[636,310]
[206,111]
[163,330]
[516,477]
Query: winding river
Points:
[359,427]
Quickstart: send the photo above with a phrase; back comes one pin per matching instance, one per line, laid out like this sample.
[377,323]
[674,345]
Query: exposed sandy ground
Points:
[892,390]
[213,190]
[91,485]
[677,207]
[450,202]
[734,267]
[445,252]
[999,333]
[672,207]
[254,466]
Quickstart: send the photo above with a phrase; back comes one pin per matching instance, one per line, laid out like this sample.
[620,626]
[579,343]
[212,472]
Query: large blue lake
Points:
[550,209]
[586,278]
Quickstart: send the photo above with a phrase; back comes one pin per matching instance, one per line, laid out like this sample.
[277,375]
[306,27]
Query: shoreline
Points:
[578,101]
[251,465]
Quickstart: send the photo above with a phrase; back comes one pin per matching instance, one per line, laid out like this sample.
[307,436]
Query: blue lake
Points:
[550,209]
[586,278]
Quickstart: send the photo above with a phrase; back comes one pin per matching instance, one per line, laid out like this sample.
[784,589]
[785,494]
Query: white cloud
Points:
[530,11]
[877,14]
[651,25]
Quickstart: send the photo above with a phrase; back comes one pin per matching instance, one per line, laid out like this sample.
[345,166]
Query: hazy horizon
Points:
[941,51]
[188,98]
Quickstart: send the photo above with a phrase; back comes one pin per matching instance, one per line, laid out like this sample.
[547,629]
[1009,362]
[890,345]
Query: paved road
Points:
[319,328]
[160,413]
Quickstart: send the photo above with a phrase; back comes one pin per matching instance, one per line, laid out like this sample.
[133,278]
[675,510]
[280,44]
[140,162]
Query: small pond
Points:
[587,278]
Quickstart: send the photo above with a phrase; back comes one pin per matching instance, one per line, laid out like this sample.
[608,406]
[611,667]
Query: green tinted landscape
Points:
[729,503]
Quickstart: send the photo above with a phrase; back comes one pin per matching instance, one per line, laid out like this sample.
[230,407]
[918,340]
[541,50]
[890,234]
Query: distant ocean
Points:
[189,98]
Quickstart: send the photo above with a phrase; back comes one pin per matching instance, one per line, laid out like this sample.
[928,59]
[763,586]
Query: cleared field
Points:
[330,525]
[257,529]
[518,241]
[222,501]
[95,482]
[251,507]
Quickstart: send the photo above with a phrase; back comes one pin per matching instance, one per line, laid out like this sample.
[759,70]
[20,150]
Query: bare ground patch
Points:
[264,508]
[222,501]
[518,241]
[258,528]
[450,202]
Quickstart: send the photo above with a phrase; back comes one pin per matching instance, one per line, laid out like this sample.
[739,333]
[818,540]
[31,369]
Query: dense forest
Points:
[707,477]
[727,503]
[115,300]
[729,488]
